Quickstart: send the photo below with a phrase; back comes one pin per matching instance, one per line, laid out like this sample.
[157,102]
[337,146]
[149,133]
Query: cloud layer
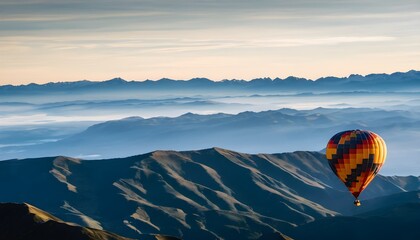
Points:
[71,40]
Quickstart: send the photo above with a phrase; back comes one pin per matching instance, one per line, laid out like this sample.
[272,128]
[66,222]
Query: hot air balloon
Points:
[356,156]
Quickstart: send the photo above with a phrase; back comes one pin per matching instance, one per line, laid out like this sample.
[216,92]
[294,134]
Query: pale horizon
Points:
[45,41]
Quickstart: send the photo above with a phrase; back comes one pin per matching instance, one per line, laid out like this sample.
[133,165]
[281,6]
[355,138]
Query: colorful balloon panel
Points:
[356,156]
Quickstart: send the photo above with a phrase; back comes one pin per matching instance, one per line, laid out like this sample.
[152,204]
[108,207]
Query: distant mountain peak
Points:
[189,115]
[132,118]
[355,75]
[200,80]
[116,80]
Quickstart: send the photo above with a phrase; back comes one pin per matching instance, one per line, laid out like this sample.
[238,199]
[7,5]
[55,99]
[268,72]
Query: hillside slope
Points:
[207,194]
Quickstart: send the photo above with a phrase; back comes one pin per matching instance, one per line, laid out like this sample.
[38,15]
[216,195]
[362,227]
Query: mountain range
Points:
[398,81]
[208,194]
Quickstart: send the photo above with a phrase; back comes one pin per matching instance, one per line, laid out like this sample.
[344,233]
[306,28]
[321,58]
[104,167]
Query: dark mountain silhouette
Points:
[389,201]
[26,222]
[207,194]
[398,222]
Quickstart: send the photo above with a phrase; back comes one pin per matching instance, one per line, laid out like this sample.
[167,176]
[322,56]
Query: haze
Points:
[116,118]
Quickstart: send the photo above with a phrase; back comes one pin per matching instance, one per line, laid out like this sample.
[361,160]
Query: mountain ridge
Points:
[213,193]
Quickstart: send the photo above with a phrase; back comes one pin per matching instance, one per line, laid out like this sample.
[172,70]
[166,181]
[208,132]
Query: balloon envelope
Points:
[356,156]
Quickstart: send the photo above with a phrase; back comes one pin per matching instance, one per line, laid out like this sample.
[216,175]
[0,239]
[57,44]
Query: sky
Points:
[68,40]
